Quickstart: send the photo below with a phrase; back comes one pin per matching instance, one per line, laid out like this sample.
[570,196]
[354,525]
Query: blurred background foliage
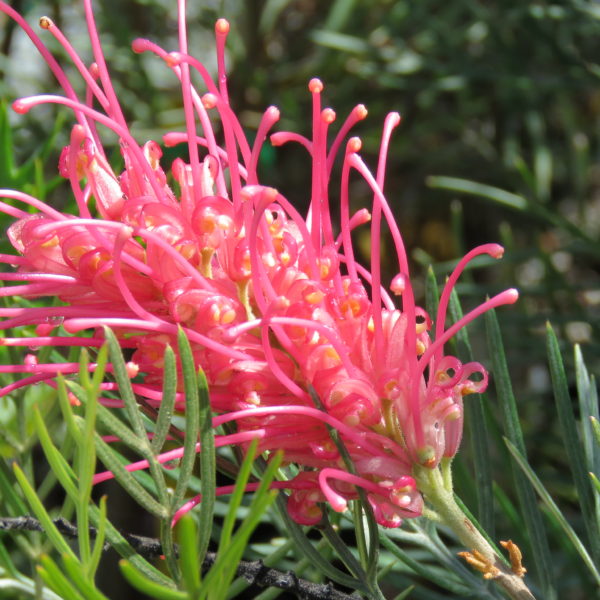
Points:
[500,140]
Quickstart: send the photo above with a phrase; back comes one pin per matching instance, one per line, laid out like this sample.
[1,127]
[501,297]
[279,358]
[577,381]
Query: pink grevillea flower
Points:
[277,309]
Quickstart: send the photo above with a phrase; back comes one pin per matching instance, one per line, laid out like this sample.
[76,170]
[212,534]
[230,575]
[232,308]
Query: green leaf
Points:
[11,500]
[514,201]
[122,546]
[208,468]
[231,548]
[498,195]
[94,561]
[67,478]
[595,428]
[53,576]
[125,390]
[572,444]
[343,551]
[189,557]
[532,516]
[7,164]
[588,409]
[60,467]
[66,408]
[432,294]
[111,461]
[40,512]
[120,430]
[423,569]
[147,586]
[86,455]
[235,499]
[84,585]
[192,418]
[303,544]
[554,510]
[405,594]
[167,403]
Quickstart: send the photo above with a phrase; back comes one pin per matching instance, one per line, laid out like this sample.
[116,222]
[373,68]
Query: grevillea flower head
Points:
[294,335]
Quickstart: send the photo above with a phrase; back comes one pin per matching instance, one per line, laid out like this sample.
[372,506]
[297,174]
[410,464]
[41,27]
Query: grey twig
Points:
[254,572]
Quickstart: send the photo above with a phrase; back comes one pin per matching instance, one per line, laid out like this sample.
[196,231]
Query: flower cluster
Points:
[295,337]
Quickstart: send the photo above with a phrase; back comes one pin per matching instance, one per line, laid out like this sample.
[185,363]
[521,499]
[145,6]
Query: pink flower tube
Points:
[275,305]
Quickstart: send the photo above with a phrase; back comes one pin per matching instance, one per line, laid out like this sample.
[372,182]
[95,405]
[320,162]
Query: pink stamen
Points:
[493,250]
[391,122]
[509,296]
[23,105]
[115,108]
[46,55]
[338,502]
[221,31]
[358,113]
[95,89]
[269,118]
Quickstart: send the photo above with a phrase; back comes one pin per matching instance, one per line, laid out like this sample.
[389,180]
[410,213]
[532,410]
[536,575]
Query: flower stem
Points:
[436,485]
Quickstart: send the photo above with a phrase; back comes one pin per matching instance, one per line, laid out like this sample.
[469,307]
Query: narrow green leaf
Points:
[84,373]
[85,586]
[6,154]
[222,572]
[547,500]
[189,558]
[514,201]
[122,546]
[432,294]
[147,586]
[466,186]
[192,418]
[306,547]
[120,430]
[532,516]
[344,553]
[235,499]
[98,548]
[588,409]
[11,500]
[99,371]
[124,383]
[54,578]
[406,593]
[596,428]
[25,585]
[422,569]
[234,553]
[66,408]
[167,403]
[40,512]
[208,468]
[572,444]
[60,467]
[117,541]
[86,455]
[111,461]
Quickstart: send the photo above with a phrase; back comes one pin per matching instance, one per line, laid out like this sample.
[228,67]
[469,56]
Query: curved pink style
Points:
[279,313]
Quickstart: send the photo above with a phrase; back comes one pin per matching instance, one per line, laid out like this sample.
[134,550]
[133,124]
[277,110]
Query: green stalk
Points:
[437,489]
